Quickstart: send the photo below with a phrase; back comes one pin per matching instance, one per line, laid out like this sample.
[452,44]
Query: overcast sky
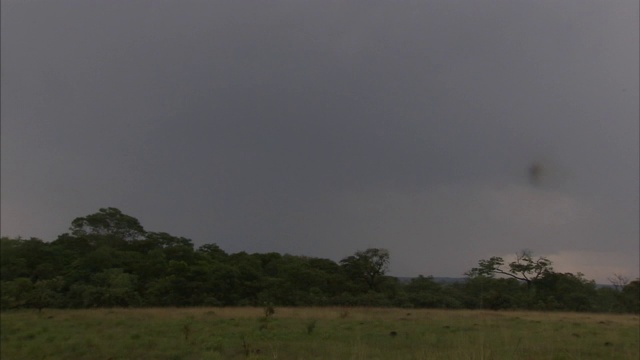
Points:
[321,128]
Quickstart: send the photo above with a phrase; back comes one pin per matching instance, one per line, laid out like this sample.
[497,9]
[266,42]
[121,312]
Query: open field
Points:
[315,333]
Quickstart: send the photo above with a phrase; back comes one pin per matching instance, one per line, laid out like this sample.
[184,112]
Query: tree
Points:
[631,296]
[108,221]
[32,258]
[16,293]
[212,251]
[174,247]
[424,292]
[618,281]
[565,291]
[46,293]
[13,259]
[369,266]
[524,268]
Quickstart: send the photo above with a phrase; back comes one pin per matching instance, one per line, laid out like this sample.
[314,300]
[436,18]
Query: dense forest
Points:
[108,259]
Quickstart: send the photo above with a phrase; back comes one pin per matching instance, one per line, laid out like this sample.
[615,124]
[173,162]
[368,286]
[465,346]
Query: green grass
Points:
[315,333]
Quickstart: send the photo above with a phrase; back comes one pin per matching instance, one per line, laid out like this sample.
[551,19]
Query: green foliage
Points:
[108,221]
[16,293]
[558,291]
[524,268]
[367,267]
[424,292]
[212,251]
[630,297]
[47,293]
[109,260]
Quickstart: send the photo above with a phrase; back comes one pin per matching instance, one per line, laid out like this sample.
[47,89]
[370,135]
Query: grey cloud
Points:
[322,128]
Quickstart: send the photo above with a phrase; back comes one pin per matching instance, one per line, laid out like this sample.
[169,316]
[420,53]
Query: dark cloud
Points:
[321,129]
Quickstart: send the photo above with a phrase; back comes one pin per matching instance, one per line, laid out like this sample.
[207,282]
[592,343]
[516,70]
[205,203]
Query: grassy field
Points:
[315,333]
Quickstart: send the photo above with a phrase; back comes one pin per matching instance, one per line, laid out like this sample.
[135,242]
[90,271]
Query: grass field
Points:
[315,333]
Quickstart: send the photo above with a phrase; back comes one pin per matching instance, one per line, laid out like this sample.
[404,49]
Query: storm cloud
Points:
[322,128]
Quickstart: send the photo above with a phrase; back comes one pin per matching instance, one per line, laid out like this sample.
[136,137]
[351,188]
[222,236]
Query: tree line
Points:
[109,260]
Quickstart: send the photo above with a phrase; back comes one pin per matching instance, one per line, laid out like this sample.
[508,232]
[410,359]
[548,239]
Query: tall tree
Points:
[524,268]
[108,221]
[369,266]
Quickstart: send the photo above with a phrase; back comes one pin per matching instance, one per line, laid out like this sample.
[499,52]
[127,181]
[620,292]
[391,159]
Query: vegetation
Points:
[315,333]
[109,260]
[524,268]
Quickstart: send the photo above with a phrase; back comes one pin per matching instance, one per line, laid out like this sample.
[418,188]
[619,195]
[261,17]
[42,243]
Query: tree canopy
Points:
[524,267]
[108,221]
[108,259]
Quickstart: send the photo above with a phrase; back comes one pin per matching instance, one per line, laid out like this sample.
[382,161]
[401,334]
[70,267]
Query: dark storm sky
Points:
[325,127]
